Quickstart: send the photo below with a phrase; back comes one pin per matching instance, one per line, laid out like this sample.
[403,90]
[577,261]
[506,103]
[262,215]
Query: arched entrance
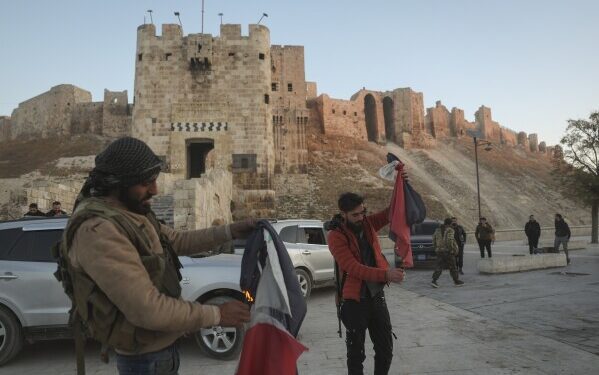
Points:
[197,151]
[371,119]
[389,115]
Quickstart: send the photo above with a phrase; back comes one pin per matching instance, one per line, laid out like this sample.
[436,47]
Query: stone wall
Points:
[523,140]
[48,113]
[533,141]
[341,117]
[5,128]
[86,118]
[438,119]
[294,196]
[311,90]
[508,137]
[489,129]
[45,192]
[116,114]
[67,110]
[198,201]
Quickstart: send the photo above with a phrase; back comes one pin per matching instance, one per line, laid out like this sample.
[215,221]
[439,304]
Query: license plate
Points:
[421,257]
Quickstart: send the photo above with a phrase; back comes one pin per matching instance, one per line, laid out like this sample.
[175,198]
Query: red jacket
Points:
[346,251]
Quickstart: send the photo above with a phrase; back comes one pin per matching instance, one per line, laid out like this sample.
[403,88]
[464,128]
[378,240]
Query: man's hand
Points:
[242,229]
[233,313]
[404,174]
[395,275]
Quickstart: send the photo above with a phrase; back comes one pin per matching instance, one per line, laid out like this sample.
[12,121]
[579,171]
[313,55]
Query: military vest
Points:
[100,319]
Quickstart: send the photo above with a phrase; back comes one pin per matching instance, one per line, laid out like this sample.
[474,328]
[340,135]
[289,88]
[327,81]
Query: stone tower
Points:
[204,103]
[290,115]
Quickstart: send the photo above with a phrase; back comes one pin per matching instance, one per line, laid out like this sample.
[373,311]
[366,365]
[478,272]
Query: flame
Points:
[248,296]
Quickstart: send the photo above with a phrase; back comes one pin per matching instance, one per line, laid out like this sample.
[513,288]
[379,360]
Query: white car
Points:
[306,242]
[33,305]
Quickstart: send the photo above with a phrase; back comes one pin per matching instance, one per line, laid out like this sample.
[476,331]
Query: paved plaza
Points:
[539,322]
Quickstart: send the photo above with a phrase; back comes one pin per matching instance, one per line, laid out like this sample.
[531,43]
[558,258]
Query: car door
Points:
[26,276]
[315,252]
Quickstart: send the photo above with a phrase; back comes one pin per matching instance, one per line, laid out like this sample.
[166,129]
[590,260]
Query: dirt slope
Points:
[514,184]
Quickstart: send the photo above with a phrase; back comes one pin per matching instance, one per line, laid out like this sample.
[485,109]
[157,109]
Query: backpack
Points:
[92,314]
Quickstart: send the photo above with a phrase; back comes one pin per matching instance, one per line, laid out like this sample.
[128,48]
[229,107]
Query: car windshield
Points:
[424,229]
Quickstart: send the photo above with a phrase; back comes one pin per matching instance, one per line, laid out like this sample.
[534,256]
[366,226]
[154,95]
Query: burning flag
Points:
[269,280]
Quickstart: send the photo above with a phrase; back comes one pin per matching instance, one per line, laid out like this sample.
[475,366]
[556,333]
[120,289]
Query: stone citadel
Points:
[229,114]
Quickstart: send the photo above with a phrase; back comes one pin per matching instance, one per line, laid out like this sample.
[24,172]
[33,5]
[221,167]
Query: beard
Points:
[134,204]
[358,226]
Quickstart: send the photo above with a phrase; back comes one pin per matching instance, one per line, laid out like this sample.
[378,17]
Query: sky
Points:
[535,63]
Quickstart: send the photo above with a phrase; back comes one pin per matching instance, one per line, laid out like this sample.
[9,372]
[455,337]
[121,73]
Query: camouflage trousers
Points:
[446,260]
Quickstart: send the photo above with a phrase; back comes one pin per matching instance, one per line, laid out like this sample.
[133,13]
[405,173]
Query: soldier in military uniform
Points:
[120,266]
[446,248]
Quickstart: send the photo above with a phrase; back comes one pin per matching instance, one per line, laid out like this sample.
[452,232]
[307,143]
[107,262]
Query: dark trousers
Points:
[482,245]
[357,317]
[460,257]
[163,362]
[533,243]
[446,260]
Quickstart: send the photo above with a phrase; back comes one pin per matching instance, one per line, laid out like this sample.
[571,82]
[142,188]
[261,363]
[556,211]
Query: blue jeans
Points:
[163,362]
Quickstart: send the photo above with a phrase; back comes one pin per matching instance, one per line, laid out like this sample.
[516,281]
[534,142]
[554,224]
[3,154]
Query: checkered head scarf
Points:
[124,163]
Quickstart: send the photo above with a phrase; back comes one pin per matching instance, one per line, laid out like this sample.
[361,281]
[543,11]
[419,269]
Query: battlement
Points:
[173,32]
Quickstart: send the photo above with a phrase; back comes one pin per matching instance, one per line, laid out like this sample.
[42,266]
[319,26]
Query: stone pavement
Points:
[527,323]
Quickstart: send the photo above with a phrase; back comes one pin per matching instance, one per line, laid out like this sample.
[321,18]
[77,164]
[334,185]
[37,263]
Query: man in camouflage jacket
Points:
[446,248]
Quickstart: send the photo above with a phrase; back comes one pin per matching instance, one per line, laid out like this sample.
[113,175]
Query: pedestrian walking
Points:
[485,235]
[460,237]
[533,232]
[562,235]
[446,248]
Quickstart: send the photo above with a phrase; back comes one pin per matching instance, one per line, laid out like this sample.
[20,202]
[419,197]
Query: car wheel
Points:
[305,282]
[11,336]
[220,342]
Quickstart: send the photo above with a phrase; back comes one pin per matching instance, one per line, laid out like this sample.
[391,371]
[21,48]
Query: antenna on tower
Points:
[151,19]
[202,16]
[179,18]
[263,15]
[221,18]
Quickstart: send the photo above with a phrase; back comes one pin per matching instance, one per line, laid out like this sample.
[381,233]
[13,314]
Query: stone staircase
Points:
[163,206]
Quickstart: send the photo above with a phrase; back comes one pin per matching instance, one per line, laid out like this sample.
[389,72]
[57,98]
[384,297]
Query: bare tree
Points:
[576,165]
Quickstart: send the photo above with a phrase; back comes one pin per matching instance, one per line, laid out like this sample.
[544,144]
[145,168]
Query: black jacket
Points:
[460,234]
[562,229]
[532,229]
[37,213]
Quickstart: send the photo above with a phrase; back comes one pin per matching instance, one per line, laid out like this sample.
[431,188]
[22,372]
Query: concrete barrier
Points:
[505,264]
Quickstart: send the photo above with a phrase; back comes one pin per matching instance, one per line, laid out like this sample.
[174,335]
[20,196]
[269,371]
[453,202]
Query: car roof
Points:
[36,223]
[286,222]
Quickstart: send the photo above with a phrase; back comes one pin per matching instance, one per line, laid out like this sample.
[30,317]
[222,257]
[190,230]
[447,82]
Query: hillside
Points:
[514,184]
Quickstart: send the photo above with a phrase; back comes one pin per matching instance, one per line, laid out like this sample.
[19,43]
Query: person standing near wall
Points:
[485,234]
[533,232]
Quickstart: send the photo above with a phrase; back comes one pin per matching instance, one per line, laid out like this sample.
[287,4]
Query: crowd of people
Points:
[450,238]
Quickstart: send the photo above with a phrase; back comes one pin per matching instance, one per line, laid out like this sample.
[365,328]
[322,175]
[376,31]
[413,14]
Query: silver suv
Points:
[306,242]
[33,305]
